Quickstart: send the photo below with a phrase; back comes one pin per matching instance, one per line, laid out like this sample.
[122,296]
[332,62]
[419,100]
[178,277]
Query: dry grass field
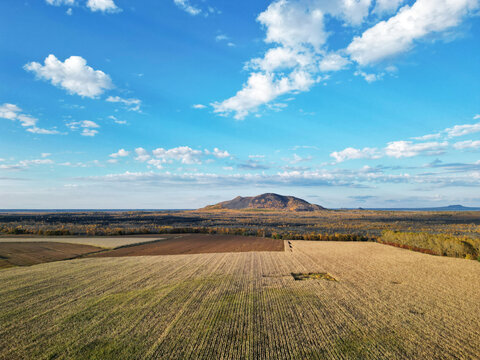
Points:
[109,242]
[386,303]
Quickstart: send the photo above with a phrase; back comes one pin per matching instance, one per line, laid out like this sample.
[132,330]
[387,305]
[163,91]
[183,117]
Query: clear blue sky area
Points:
[184,103]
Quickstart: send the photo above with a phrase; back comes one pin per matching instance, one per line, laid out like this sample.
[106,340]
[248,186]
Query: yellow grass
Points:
[387,303]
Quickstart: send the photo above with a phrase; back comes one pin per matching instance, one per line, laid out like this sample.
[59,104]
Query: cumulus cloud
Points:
[15,113]
[88,127]
[120,153]
[102,6]
[220,154]
[368,77]
[73,75]
[399,149]
[352,153]
[199,106]
[399,33]
[333,62]
[184,154]
[297,33]
[131,104]
[296,29]
[106,6]
[142,154]
[260,89]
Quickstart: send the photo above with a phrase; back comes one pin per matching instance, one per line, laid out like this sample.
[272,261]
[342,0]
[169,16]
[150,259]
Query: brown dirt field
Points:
[31,253]
[198,244]
[99,241]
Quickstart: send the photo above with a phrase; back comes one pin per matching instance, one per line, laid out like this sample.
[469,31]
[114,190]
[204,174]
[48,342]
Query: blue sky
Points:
[184,103]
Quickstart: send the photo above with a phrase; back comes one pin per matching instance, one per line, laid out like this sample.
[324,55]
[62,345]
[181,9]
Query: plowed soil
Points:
[198,244]
[31,253]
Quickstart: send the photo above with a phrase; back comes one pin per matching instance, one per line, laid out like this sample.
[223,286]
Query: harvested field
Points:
[31,253]
[109,242]
[387,303]
[198,244]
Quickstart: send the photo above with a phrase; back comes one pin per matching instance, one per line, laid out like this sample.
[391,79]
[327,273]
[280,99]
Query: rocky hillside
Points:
[266,201]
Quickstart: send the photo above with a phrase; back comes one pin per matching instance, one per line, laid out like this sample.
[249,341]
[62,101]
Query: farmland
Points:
[384,302]
[197,244]
[450,233]
[109,242]
[24,253]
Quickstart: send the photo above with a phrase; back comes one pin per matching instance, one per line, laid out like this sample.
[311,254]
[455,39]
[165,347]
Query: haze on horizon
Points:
[184,103]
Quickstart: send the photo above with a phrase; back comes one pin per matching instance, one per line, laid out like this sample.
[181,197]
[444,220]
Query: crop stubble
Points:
[387,303]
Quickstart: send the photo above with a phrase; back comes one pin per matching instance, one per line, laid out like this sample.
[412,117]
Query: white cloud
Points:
[156,163]
[186,6]
[61,2]
[455,131]
[387,6]
[352,153]
[221,37]
[89,132]
[468,144]
[225,38]
[368,77]
[292,23]
[131,104]
[461,130]
[14,113]
[72,75]
[117,121]
[27,163]
[120,153]
[220,154]
[142,154]
[102,6]
[262,88]
[184,154]
[45,155]
[296,30]
[281,58]
[411,23]
[333,62]
[295,159]
[107,6]
[88,127]
[199,106]
[399,149]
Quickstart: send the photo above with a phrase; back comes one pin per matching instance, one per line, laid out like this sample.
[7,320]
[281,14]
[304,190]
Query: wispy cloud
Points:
[14,113]
[131,104]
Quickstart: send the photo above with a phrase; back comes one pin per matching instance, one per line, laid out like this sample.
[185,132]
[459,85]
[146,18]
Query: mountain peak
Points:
[268,201]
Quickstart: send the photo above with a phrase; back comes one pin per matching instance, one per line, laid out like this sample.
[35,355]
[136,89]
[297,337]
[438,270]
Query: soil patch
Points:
[31,253]
[198,244]
[314,276]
